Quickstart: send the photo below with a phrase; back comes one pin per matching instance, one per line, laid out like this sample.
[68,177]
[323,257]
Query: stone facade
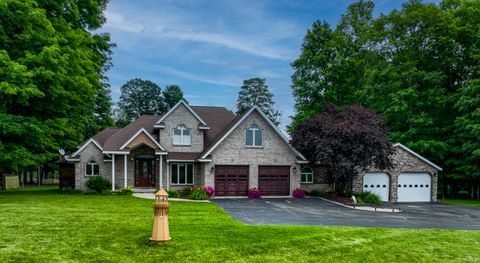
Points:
[181,116]
[404,162]
[232,151]
[320,182]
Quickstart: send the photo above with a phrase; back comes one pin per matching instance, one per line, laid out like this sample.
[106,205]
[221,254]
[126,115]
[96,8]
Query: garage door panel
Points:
[231,180]
[274,180]
[377,183]
[414,187]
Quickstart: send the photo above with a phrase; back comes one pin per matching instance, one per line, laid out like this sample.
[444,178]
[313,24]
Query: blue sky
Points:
[210,47]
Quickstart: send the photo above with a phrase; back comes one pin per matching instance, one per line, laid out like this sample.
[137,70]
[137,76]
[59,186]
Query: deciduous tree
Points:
[141,97]
[344,139]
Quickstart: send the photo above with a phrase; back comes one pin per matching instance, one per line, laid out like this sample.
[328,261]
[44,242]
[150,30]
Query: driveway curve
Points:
[316,212]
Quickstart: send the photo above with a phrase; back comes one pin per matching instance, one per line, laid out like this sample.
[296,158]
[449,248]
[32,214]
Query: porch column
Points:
[125,159]
[113,172]
[168,176]
[161,171]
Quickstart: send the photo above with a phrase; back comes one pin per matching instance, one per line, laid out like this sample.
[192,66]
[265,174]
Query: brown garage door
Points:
[231,180]
[274,180]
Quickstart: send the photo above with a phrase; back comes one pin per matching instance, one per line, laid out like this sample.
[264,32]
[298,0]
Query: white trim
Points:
[181,102]
[72,160]
[107,161]
[241,120]
[116,152]
[138,133]
[178,173]
[254,131]
[182,130]
[181,161]
[92,164]
[204,128]
[417,155]
[204,160]
[161,153]
[159,126]
[113,172]
[307,173]
[125,170]
[91,140]
[161,171]
[302,162]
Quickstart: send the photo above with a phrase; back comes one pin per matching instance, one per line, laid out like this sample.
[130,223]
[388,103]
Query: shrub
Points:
[318,193]
[186,192]
[98,184]
[199,194]
[462,194]
[209,190]
[368,198]
[173,193]
[298,193]
[254,193]
[126,191]
[348,193]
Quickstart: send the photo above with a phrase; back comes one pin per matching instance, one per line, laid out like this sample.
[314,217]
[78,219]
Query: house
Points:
[193,146]
[210,146]
[412,179]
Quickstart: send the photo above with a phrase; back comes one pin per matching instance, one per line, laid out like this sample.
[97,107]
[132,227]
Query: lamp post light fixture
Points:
[294,170]
[160,232]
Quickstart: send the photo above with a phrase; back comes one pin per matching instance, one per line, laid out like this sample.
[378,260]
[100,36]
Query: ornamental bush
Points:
[198,194]
[98,184]
[298,193]
[368,198]
[173,193]
[209,190]
[254,193]
[126,191]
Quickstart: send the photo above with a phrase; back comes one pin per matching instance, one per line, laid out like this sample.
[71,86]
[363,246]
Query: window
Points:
[307,175]
[182,173]
[92,168]
[181,136]
[253,136]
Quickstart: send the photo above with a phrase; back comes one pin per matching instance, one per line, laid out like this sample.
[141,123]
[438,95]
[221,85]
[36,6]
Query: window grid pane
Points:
[249,137]
[174,174]
[189,173]
[181,173]
[89,169]
[96,169]
[258,138]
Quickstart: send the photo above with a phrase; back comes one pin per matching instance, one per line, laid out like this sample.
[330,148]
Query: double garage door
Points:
[412,187]
[232,180]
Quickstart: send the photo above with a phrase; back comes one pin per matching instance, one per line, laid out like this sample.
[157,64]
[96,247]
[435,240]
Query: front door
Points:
[144,174]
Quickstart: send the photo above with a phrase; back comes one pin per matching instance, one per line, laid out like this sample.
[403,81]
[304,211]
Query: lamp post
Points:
[160,230]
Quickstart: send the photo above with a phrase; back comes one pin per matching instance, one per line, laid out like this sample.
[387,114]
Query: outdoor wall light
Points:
[295,170]
[212,170]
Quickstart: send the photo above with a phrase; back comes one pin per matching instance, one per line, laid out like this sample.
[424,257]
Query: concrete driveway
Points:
[317,212]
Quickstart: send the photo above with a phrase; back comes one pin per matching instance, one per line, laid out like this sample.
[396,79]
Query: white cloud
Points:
[164,28]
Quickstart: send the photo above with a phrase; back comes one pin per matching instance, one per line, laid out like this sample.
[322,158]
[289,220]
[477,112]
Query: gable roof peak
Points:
[184,103]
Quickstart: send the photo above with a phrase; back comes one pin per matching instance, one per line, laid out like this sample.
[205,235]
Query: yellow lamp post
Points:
[160,230]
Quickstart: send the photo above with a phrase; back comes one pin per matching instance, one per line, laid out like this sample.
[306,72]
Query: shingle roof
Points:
[114,142]
[217,118]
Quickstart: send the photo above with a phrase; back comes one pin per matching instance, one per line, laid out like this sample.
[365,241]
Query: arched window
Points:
[92,168]
[181,135]
[306,175]
[253,136]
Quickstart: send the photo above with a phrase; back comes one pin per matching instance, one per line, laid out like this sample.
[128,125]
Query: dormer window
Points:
[181,136]
[92,168]
[253,136]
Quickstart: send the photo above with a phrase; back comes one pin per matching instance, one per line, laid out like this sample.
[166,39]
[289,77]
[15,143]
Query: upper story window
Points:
[306,175]
[181,136]
[92,168]
[253,136]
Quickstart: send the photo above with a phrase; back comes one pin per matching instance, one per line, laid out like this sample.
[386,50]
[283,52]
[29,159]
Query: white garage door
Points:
[414,187]
[377,183]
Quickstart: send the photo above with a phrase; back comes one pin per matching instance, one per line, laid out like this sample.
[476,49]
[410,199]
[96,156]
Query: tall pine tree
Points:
[254,92]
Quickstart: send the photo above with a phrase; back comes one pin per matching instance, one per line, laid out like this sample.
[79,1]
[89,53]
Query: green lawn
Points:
[467,202]
[54,226]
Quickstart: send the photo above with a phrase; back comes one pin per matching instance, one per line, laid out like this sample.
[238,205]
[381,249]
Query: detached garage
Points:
[413,178]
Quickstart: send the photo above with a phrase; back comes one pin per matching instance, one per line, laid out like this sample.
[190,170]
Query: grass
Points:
[466,202]
[56,226]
